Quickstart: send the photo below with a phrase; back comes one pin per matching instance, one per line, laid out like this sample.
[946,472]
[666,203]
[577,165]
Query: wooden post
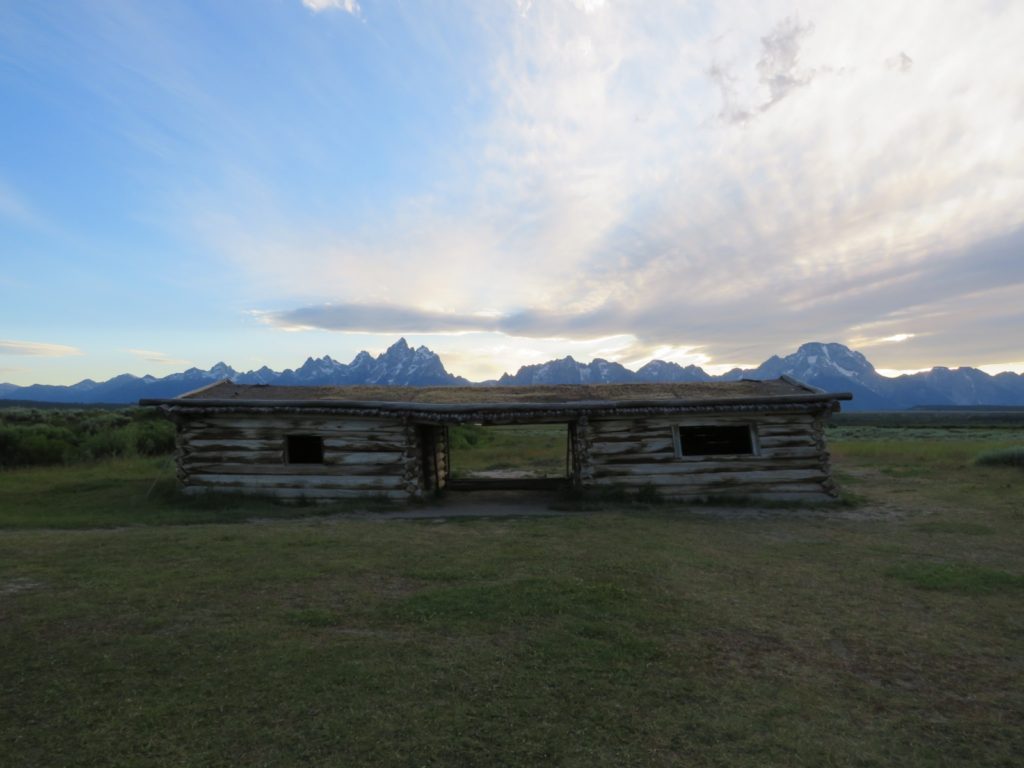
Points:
[583,472]
[412,475]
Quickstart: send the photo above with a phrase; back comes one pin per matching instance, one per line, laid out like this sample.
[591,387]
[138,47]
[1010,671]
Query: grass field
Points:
[534,450]
[886,631]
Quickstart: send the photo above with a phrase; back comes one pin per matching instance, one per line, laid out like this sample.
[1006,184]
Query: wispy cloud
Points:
[778,69]
[348,6]
[159,358]
[13,206]
[37,349]
[901,62]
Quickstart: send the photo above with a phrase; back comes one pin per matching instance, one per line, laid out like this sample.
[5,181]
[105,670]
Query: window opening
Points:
[304,449]
[713,440]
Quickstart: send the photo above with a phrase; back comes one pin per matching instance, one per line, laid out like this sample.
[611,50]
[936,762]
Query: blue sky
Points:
[182,183]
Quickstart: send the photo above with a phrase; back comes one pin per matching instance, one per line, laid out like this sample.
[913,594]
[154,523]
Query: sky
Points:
[508,181]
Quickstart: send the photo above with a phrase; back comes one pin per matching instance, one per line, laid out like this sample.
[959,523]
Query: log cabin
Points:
[761,439]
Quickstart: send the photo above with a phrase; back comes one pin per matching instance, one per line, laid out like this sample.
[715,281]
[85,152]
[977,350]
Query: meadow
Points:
[533,450]
[141,628]
[40,436]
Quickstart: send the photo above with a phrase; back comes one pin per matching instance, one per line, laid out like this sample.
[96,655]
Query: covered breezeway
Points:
[499,456]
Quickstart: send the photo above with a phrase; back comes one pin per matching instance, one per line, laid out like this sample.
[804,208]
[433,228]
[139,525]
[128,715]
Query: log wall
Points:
[790,459]
[432,448]
[246,453]
[398,459]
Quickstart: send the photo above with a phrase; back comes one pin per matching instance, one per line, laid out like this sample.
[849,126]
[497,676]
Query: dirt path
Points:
[537,503]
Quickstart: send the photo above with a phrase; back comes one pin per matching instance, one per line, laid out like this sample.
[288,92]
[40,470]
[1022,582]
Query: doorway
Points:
[509,456]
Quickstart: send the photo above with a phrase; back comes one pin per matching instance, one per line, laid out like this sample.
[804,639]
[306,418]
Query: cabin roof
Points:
[602,397]
[554,393]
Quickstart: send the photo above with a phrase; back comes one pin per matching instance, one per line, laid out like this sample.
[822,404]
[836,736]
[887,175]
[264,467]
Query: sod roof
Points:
[227,392]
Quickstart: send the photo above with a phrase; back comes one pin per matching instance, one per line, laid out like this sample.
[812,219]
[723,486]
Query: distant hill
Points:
[832,367]
[400,365]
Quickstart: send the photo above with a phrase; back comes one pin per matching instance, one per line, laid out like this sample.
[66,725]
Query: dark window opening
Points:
[714,441]
[304,449]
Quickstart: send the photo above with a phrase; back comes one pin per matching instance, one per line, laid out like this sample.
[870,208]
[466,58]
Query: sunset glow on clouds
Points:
[508,182]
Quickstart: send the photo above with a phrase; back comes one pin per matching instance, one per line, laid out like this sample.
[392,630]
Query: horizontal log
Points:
[325,496]
[773,454]
[331,457]
[660,445]
[798,452]
[263,421]
[235,445]
[705,467]
[350,444]
[633,458]
[298,481]
[232,457]
[281,434]
[315,470]
[616,438]
[631,425]
[783,429]
[720,479]
[355,457]
[794,441]
[612,438]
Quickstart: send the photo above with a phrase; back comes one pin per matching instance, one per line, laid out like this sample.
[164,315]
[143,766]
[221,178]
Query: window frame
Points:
[677,442]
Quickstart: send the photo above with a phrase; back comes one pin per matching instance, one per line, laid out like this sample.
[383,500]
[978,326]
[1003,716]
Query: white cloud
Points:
[601,194]
[589,6]
[37,349]
[349,6]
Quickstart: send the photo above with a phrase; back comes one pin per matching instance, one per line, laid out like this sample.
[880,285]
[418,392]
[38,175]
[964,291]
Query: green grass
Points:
[1007,457]
[131,492]
[536,450]
[885,633]
[956,577]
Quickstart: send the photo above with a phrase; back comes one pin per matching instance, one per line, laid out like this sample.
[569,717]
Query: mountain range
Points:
[832,367]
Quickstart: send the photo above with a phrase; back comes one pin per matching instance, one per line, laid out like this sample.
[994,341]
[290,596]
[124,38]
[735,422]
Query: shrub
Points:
[1008,457]
[466,436]
[153,438]
[33,437]
[33,445]
[108,444]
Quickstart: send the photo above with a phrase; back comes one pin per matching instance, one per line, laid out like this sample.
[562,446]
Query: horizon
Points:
[507,183]
[712,370]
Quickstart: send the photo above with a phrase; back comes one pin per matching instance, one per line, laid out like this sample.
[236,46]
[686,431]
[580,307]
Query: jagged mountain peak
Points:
[222,370]
[661,370]
[815,360]
[835,353]
[830,366]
